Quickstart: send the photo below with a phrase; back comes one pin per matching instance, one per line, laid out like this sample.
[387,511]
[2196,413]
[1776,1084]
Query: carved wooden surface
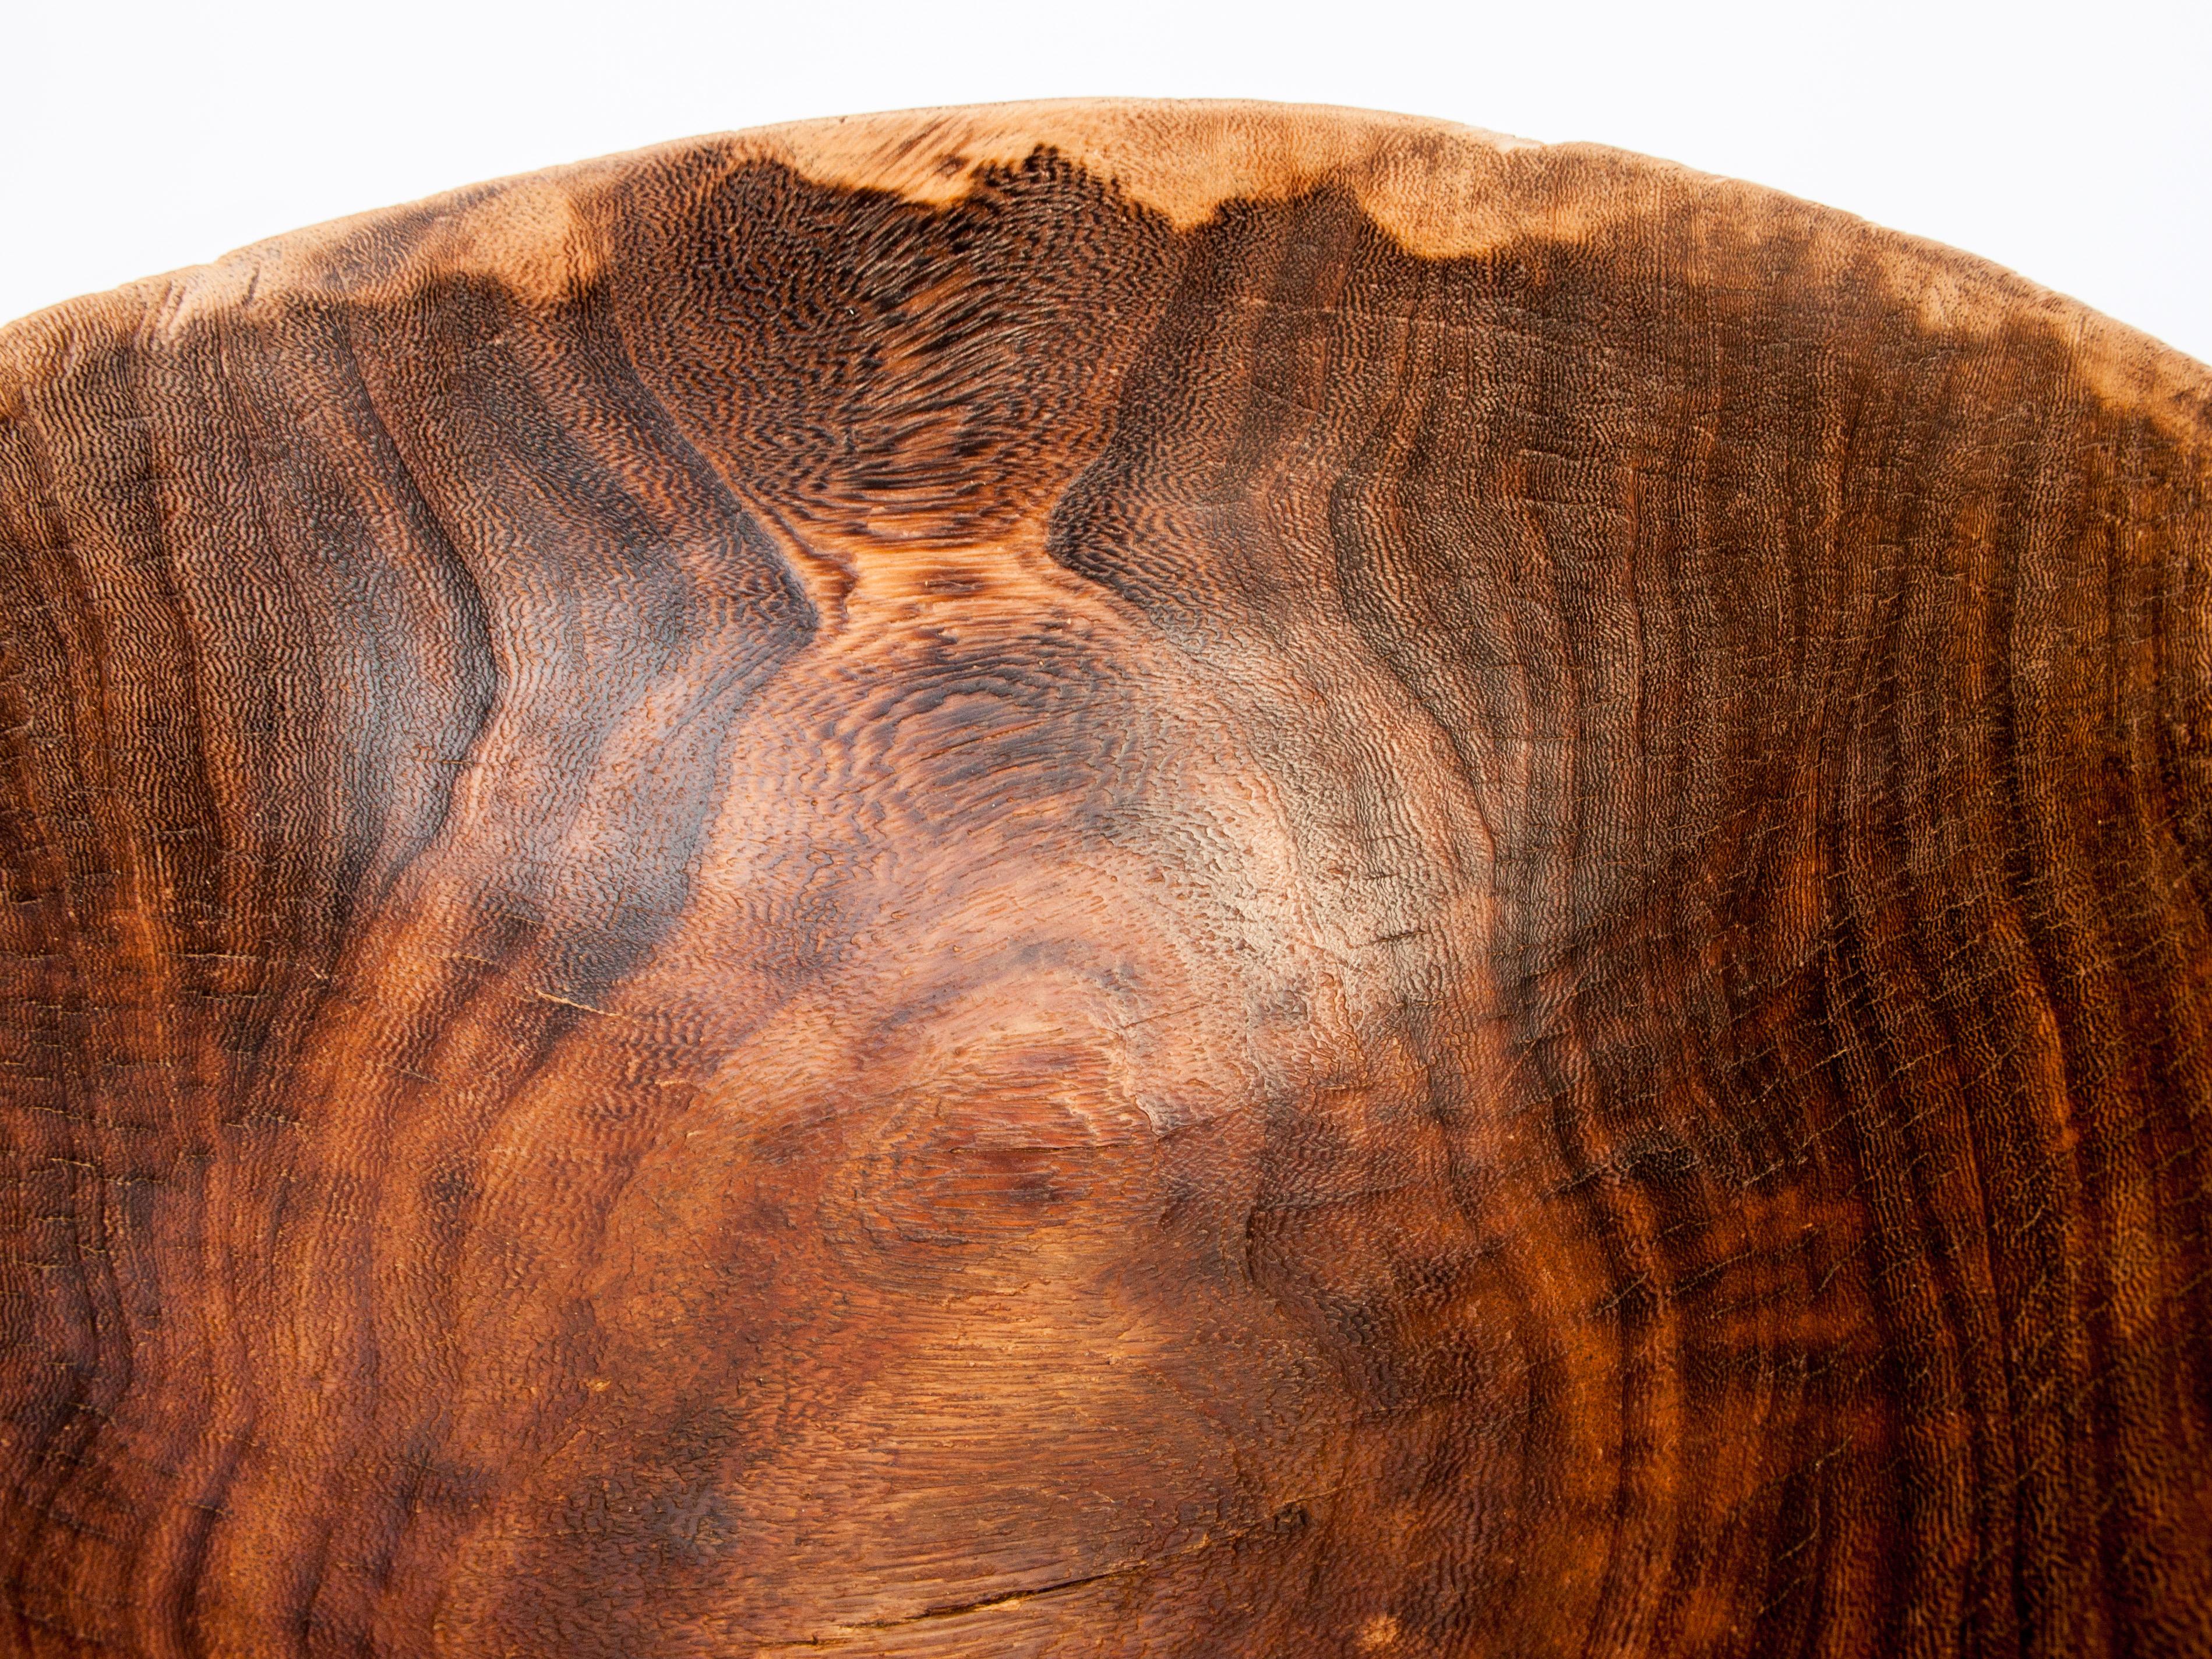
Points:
[1103,880]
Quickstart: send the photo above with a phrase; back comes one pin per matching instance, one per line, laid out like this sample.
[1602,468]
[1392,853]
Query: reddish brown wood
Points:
[1103,880]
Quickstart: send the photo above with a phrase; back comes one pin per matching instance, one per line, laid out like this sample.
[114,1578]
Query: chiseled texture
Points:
[1098,880]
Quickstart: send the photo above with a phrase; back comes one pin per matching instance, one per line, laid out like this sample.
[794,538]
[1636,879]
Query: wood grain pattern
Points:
[1103,880]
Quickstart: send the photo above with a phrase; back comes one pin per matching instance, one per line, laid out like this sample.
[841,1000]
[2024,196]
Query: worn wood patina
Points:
[1103,879]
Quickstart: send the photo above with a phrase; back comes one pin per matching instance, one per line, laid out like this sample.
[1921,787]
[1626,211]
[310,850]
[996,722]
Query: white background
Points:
[2072,143]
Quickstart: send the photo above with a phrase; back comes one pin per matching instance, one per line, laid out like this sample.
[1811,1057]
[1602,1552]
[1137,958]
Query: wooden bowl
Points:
[1104,879]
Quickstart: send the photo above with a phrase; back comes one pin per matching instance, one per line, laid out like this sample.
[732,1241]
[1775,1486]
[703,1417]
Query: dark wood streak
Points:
[1103,880]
